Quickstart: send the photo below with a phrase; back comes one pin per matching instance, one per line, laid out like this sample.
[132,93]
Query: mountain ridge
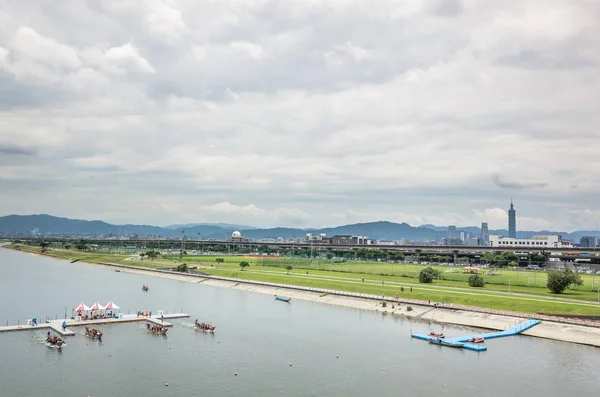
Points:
[381,230]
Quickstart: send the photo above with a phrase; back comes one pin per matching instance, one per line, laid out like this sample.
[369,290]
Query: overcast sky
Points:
[302,112]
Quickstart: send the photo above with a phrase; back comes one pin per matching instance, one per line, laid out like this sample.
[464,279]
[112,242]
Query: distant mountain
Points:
[381,230]
[375,230]
[227,226]
[435,228]
[48,224]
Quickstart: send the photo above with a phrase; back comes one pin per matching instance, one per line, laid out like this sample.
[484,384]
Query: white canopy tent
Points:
[115,310]
[111,306]
[82,307]
[97,306]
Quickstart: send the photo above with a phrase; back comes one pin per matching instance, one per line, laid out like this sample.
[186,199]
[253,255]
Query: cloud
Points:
[279,215]
[308,114]
[127,58]
[498,181]
[10,149]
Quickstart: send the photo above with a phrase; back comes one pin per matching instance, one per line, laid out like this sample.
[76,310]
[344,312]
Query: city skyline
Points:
[310,115]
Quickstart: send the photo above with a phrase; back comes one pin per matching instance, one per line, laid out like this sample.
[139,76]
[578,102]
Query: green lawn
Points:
[526,282]
[531,304]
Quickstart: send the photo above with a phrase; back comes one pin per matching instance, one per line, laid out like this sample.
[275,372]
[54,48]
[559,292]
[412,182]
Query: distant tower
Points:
[452,231]
[485,233]
[512,221]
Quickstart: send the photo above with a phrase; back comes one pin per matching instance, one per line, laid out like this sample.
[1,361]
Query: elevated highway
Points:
[459,250]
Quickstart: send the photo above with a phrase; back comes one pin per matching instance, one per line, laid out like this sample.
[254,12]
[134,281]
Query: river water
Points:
[257,337]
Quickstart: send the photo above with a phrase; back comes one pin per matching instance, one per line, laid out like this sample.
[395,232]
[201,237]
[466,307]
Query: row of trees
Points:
[511,259]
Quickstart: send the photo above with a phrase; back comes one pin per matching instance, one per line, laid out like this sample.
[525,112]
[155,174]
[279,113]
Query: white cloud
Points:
[250,50]
[36,59]
[165,19]
[227,212]
[127,58]
[312,114]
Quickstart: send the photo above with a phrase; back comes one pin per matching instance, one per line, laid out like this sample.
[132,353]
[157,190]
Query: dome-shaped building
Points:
[236,237]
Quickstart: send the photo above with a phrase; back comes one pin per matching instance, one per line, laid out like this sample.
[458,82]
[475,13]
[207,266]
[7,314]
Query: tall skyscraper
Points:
[485,233]
[512,221]
[452,232]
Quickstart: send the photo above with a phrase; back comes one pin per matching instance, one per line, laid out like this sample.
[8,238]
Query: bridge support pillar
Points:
[455,254]
[418,255]
[546,258]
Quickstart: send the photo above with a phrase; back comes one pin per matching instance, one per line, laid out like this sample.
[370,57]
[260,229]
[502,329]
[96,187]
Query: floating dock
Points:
[56,325]
[463,341]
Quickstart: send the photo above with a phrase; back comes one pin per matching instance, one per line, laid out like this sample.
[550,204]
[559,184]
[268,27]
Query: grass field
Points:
[521,281]
[379,278]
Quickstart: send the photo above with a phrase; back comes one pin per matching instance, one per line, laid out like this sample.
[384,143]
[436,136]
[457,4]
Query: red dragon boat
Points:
[204,327]
[93,333]
[156,329]
[54,340]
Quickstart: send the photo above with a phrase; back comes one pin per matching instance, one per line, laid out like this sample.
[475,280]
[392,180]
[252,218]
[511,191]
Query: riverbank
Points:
[548,330]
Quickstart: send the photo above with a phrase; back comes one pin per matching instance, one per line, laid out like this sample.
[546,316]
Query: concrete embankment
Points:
[550,330]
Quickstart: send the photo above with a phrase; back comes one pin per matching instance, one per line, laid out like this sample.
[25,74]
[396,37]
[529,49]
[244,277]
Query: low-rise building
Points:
[550,241]
[453,241]
[385,242]
[349,240]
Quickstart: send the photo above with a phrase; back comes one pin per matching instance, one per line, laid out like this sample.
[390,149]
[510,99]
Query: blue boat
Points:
[283,299]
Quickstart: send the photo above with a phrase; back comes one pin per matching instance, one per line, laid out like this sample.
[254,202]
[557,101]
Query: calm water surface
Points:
[256,337]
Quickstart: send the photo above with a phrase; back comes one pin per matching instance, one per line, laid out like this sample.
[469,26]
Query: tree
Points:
[476,281]
[44,245]
[362,253]
[81,245]
[219,260]
[489,258]
[396,256]
[244,264]
[508,257]
[559,280]
[142,256]
[288,268]
[428,274]
[152,254]
[537,258]
[182,268]
[67,246]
